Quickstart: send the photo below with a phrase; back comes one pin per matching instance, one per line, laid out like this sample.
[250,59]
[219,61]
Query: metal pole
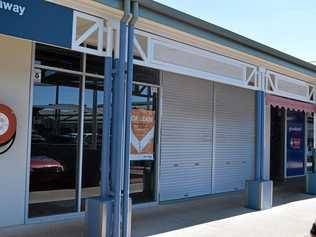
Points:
[80,136]
[106,133]
[118,123]
[129,85]
[113,161]
[117,148]
[262,122]
[129,92]
[259,134]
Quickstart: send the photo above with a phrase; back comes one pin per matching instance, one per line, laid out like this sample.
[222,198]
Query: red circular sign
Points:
[7,124]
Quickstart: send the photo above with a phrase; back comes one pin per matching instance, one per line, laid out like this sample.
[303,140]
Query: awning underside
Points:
[281,102]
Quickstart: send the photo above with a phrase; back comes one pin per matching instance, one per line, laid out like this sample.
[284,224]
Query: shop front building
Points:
[209,112]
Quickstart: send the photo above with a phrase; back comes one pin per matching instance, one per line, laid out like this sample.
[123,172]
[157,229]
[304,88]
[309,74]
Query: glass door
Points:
[54,149]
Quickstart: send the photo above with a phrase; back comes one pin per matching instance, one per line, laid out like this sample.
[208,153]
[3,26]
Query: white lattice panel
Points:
[285,86]
[161,53]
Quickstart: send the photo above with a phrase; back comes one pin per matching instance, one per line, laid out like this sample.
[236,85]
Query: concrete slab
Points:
[73,228]
[225,216]
[289,220]
[219,215]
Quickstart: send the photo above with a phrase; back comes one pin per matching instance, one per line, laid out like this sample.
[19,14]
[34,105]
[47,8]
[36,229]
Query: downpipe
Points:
[117,148]
[129,91]
[105,159]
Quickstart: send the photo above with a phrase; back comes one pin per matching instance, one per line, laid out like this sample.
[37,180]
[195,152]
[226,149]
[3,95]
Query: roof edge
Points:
[222,32]
[215,30]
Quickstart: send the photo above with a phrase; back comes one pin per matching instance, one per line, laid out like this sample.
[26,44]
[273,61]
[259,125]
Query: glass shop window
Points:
[59,58]
[54,144]
[65,98]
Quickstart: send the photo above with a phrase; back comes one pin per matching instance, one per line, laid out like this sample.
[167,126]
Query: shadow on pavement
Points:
[169,217]
[290,190]
[182,214]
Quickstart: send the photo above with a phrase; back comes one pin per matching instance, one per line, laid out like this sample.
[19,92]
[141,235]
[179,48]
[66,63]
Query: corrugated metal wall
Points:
[189,114]
[186,137]
[234,147]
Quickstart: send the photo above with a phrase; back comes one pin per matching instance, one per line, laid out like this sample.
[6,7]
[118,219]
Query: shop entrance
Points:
[291,143]
[277,144]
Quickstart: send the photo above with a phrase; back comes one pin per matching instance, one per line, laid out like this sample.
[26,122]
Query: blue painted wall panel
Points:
[37,20]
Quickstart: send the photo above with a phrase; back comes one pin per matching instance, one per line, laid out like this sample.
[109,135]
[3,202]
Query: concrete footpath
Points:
[290,220]
[222,216]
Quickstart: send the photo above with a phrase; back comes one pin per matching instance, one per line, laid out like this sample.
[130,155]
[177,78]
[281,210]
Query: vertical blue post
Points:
[259,191]
[99,210]
[129,91]
[260,139]
[113,161]
[106,133]
[117,147]
[262,134]
[259,134]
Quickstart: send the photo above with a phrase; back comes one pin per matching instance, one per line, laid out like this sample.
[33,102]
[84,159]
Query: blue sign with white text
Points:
[295,143]
[37,20]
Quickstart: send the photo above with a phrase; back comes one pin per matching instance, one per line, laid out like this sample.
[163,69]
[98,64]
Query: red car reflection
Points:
[45,172]
[44,162]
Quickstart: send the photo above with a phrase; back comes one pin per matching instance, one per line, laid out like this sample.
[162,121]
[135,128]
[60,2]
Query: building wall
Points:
[15,66]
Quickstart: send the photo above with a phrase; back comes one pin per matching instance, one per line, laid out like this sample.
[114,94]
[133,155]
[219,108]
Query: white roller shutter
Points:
[186,137]
[234,148]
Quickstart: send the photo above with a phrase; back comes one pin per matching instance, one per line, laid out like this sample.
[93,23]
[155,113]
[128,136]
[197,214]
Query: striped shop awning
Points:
[282,102]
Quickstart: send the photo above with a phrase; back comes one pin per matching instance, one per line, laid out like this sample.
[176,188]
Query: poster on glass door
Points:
[295,143]
[142,135]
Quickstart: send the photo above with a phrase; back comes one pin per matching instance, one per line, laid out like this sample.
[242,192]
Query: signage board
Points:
[295,143]
[142,134]
[37,20]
